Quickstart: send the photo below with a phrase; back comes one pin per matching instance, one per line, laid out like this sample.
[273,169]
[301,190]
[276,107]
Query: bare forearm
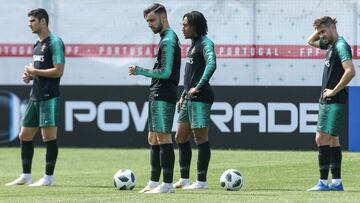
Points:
[345,79]
[49,73]
[313,39]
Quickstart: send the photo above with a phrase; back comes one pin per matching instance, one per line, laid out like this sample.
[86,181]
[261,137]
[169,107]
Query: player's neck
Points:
[165,27]
[336,37]
[43,34]
[195,38]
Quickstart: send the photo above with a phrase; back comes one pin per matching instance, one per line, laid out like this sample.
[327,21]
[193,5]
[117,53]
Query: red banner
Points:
[150,51]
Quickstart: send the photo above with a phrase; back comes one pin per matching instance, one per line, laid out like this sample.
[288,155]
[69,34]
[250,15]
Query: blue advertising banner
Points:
[242,117]
[354,119]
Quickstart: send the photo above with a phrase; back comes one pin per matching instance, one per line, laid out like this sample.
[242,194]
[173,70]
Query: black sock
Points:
[335,163]
[27,153]
[167,159]
[203,161]
[185,154]
[324,161]
[155,163]
[51,156]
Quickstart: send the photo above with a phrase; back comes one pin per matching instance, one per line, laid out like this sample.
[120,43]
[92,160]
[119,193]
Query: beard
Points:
[35,31]
[326,41]
[186,36]
[329,39]
[158,28]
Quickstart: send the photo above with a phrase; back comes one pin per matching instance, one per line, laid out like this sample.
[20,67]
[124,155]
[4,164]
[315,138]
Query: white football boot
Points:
[196,185]
[150,186]
[182,182]
[163,188]
[23,179]
[44,181]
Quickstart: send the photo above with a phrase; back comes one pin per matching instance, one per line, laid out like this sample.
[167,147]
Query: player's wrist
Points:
[137,70]
[34,72]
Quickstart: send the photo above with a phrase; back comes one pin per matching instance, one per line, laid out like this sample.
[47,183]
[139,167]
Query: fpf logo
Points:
[327,63]
[10,116]
[189,60]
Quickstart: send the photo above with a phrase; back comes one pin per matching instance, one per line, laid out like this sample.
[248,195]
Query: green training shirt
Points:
[46,53]
[336,53]
[200,66]
[166,71]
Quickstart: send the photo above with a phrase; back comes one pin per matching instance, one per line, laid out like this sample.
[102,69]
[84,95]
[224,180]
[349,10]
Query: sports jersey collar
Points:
[164,33]
[45,39]
[339,38]
[197,39]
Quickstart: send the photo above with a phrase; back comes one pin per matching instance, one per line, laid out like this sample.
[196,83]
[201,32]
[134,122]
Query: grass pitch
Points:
[85,175]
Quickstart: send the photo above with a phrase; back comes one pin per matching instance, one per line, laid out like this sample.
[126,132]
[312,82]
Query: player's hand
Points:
[179,104]
[30,69]
[334,19]
[192,91]
[26,77]
[131,70]
[328,93]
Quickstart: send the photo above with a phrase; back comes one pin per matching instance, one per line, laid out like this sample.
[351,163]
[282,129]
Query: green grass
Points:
[85,175]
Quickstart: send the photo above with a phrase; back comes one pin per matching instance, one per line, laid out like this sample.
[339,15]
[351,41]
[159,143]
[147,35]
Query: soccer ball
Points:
[124,179]
[231,179]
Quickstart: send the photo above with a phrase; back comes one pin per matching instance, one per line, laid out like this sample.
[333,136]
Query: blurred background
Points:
[266,84]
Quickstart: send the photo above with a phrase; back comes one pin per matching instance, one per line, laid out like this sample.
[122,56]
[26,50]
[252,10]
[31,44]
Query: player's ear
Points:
[163,17]
[43,21]
[333,27]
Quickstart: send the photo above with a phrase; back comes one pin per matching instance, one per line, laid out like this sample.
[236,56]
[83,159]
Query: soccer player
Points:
[162,99]
[43,108]
[338,71]
[196,100]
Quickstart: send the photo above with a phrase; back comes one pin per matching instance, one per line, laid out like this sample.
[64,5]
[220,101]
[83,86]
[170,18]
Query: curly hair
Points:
[197,20]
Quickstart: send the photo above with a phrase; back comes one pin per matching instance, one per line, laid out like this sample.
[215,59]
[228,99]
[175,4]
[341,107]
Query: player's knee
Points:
[335,142]
[180,139]
[24,137]
[319,141]
[164,139]
[152,140]
[322,140]
[48,138]
[200,140]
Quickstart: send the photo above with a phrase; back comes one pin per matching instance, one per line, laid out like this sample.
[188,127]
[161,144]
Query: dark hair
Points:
[157,8]
[40,13]
[325,20]
[197,19]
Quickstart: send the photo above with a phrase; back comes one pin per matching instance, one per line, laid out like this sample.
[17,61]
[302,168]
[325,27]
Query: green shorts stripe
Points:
[195,113]
[42,113]
[331,118]
[161,116]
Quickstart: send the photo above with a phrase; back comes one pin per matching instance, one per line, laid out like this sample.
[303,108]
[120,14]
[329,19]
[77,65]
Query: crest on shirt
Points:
[330,53]
[327,63]
[189,60]
[193,51]
[328,57]
[43,47]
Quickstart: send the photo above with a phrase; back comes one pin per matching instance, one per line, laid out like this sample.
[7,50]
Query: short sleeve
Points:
[57,48]
[344,51]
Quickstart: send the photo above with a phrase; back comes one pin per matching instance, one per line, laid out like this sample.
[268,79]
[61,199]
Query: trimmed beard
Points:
[158,29]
